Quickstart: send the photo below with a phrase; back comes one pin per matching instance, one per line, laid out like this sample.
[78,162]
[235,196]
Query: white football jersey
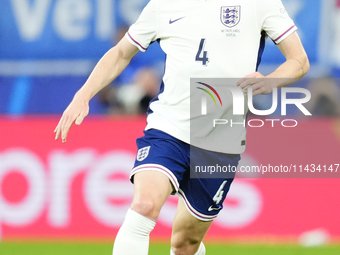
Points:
[205,39]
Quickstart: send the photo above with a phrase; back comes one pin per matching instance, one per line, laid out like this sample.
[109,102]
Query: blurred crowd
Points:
[325,100]
[132,91]
[134,97]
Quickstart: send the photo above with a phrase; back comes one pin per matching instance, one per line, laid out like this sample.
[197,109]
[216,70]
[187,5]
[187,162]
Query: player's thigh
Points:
[151,190]
[187,231]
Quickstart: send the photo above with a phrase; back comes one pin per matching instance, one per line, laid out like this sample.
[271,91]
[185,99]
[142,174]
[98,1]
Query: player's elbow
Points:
[302,65]
[305,64]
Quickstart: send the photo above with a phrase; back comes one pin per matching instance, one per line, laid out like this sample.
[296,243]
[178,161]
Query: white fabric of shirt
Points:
[179,26]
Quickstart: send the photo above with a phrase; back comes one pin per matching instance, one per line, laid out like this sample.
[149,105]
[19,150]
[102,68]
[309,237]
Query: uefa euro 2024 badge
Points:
[230,17]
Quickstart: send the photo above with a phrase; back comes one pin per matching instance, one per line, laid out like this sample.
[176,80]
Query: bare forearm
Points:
[294,68]
[296,65]
[290,71]
[106,70]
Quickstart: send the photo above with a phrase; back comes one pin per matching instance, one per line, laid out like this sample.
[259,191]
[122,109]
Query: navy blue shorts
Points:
[161,152]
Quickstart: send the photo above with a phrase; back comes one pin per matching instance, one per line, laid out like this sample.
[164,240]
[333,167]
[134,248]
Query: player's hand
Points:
[77,110]
[258,82]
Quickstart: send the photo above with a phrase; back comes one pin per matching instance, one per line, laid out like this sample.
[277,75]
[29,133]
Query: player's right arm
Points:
[107,69]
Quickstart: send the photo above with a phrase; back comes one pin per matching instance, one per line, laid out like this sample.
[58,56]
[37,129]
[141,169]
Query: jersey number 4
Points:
[219,194]
[201,54]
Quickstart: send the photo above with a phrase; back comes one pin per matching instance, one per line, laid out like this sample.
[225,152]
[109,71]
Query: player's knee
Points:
[184,244]
[146,207]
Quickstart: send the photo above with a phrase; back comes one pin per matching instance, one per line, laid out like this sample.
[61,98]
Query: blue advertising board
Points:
[40,38]
[57,29]
[85,29]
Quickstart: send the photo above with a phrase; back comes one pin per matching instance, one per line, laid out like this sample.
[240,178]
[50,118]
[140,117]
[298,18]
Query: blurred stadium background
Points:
[79,192]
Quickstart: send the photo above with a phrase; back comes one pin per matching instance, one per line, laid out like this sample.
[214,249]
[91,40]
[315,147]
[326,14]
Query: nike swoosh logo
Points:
[213,209]
[172,21]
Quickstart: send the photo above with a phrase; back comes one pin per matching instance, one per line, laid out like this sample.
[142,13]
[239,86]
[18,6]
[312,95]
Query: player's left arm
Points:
[294,68]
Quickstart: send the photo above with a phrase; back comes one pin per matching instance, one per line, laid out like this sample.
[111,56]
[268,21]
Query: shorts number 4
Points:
[218,197]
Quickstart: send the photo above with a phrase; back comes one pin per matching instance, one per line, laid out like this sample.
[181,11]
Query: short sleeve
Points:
[275,19]
[143,32]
